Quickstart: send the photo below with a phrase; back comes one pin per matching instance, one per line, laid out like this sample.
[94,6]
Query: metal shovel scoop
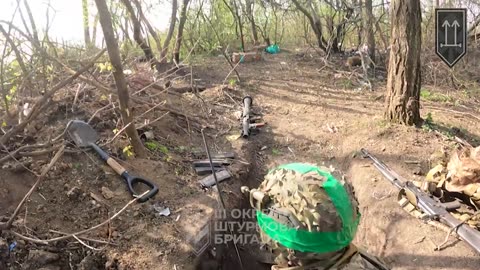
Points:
[85,136]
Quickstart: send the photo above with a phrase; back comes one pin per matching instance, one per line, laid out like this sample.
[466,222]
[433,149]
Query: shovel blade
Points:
[81,133]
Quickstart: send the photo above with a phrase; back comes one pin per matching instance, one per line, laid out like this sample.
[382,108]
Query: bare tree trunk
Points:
[240,25]
[404,80]
[360,30]
[251,18]
[149,26]
[86,26]
[181,25]
[368,32]
[314,23]
[137,35]
[171,28]
[32,22]
[94,30]
[126,36]
[121,83]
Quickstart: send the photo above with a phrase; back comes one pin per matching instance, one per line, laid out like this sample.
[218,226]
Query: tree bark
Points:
[171,28]
[149,26]
[181,25]
[315,24]
[368,32]
[126,36]
[251,18]
[137,35]
[121,83]
[360,30]
[94,30]
[86,26]
[404,80]
[240,25]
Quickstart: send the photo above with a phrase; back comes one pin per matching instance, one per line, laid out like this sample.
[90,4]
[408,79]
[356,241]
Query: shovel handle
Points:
[130,180]
[110,161]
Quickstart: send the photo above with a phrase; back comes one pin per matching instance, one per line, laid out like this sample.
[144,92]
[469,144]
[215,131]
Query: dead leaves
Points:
[464,167]
[459,170]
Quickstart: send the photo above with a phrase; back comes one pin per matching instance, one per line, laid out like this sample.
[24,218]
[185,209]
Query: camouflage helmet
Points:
[307,210]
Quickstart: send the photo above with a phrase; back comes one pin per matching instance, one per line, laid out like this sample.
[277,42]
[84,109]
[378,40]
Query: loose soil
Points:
[313,114]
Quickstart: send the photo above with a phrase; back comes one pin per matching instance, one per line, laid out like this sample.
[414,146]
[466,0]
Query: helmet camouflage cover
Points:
[325,209]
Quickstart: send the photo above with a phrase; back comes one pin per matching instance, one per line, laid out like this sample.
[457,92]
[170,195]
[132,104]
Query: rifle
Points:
[430,205]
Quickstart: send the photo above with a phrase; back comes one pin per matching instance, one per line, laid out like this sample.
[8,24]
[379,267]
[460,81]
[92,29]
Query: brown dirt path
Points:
[299,99]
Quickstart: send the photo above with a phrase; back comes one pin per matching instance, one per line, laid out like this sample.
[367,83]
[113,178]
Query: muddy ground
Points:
[313,114]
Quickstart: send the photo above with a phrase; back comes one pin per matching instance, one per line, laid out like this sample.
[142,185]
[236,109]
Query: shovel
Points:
[85,136]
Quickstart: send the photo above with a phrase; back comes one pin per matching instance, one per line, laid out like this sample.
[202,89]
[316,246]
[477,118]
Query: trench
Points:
[238,248]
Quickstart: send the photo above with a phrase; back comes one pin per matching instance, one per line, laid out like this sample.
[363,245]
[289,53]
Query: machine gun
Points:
[430,205]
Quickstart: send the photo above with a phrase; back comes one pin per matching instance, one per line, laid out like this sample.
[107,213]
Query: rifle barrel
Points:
[384,169]
[430,206]
[466,233]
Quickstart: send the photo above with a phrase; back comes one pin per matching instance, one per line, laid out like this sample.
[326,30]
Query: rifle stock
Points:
[430,205]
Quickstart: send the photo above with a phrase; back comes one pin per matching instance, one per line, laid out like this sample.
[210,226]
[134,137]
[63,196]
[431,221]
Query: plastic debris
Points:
[12,246]
[273,49]
[161,210]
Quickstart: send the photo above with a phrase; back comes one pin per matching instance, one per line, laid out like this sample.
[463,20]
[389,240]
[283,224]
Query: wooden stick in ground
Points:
[46,242]
[6,226]
[87,239]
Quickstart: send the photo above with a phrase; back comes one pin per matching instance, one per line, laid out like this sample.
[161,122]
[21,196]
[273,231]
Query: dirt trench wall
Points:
[225,255]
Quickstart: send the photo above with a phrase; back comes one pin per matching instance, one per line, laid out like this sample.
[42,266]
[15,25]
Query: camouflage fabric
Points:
[304,197]
[438,182]
[351,259]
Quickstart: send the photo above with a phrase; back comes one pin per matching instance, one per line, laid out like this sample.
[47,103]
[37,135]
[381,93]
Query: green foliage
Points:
[428,124]
[128,151]
[107,66]
[181,149]
[276,152]
[347,83]
[155,146]
[232,82]
[435,97]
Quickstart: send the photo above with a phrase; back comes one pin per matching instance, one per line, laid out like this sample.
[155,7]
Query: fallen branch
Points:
[99,110]
[6,226]
[231,70]
[22,148]
[119,132]
[86,238]
[149,123]
[46,242]
[18,162]
[39,105]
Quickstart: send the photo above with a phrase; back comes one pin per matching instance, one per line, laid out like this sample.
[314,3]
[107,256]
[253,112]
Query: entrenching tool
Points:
[85,136]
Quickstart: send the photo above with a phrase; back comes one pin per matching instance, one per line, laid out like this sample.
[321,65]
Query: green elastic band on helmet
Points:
[318,242]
